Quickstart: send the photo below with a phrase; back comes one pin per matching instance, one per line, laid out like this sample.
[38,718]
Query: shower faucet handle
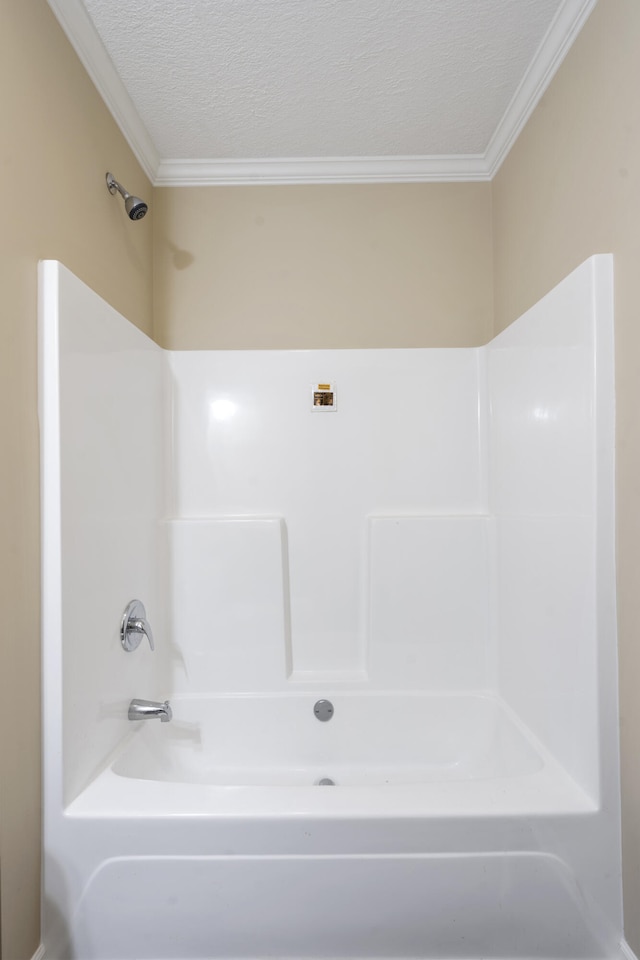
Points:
[135,626]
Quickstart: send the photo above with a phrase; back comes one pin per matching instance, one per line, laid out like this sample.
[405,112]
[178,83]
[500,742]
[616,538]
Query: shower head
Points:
[135,207]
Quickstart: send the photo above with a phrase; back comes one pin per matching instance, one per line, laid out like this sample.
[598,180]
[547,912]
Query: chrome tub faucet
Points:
[149,710]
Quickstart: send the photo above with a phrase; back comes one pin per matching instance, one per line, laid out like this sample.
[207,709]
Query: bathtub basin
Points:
[386,753]
[379,740]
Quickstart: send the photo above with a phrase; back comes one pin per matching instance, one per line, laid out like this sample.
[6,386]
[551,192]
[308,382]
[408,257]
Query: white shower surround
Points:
[444,540]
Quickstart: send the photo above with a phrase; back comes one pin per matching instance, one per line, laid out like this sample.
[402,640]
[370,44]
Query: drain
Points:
[325,782]
[323,710]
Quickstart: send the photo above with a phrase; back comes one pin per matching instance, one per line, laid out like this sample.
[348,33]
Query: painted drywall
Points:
[571,187]
[57,140]
[309,267]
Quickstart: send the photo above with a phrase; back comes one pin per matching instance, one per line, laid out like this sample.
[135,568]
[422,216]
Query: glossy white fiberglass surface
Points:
[403,441]
[105,412]
[425,906]
[229,597]
[428,603]
[424,624]
[371,739]
[541,375]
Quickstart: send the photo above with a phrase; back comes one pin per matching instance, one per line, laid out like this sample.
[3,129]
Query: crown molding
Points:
[79,28]
[201,173]
[565,27]
[81,33]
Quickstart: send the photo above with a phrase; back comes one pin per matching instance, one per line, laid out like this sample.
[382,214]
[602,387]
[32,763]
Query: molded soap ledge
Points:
[429,601]
[229,603]
[315,677]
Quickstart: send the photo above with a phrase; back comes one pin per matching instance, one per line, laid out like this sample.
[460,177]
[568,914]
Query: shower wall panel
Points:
[403,442]
[229,604]
[543,375]
[429,603]
[109,482]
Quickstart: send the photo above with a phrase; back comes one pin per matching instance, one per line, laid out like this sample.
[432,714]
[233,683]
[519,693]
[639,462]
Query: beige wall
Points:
[570,188]
[56,142]
[402,265]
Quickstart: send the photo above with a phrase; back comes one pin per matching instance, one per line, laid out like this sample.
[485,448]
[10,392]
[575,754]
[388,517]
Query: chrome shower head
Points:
[135,207]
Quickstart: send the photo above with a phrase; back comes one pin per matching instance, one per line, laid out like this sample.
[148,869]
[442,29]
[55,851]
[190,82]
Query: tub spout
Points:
[148,709]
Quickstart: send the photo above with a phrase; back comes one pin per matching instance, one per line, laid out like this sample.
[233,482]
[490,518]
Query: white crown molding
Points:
[200,173]
[39,954]
[564,29]
[79,28]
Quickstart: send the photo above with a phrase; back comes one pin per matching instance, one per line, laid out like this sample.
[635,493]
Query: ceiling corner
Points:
[565,27]
[81,33]
[79,28]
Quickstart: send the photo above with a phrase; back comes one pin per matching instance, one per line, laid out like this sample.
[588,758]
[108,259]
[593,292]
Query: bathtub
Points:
[385,753]
[211,837]
[369,740]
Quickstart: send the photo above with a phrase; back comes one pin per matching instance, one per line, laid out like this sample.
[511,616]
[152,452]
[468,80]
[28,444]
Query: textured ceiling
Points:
[218,79]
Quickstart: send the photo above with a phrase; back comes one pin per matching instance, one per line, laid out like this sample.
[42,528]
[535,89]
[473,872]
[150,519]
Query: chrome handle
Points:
[135,626]
[142,626]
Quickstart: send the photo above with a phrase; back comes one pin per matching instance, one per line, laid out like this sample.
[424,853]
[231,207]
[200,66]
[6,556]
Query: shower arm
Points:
[113,186]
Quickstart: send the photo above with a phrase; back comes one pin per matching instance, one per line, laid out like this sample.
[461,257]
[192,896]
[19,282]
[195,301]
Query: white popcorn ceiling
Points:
[321,78]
